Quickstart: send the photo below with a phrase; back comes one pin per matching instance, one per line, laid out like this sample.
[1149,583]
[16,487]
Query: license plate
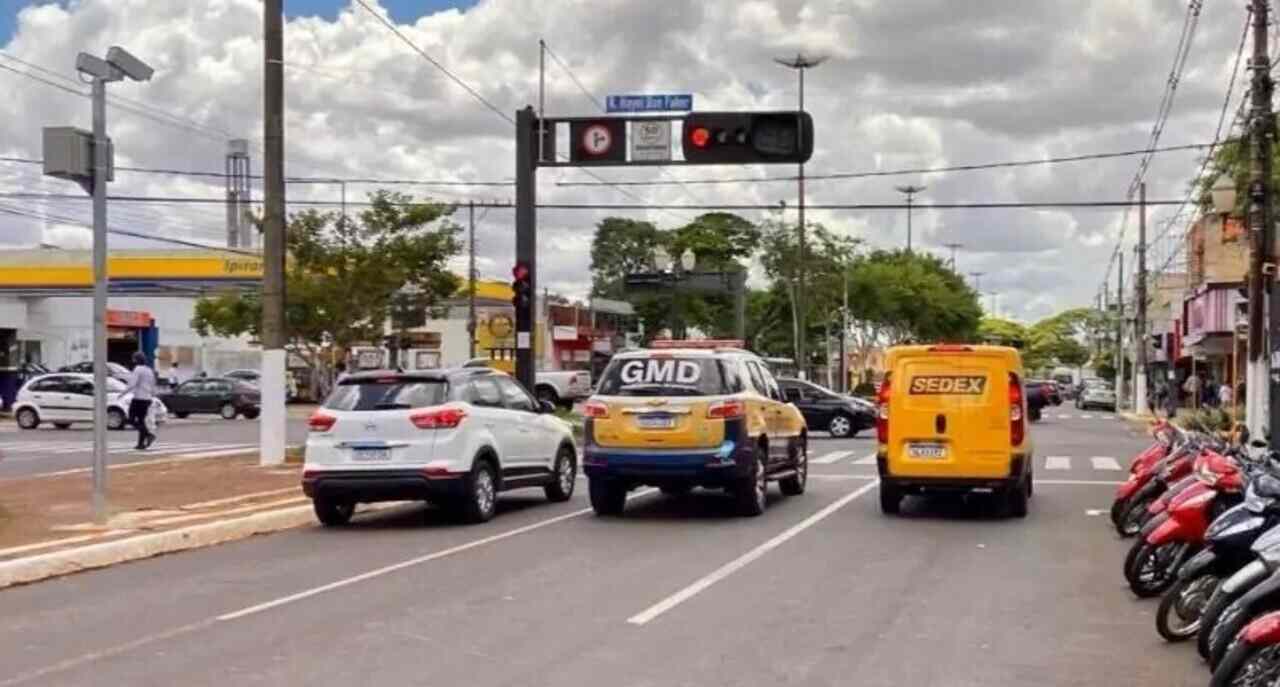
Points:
[655,421]
[372,455]
[927,451]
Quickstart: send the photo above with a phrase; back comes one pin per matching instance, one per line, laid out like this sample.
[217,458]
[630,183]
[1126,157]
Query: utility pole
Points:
[273,425]
[844,335]
[1120,333]
[910,191]
[1140,293]
[800,63]
[471,280]
[526,242]
[542,101]
[977,281]
[1259,387]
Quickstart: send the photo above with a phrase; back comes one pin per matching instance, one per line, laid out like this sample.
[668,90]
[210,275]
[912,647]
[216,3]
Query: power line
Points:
[912,171]
[1189,23]
[474,93]
[1217,135]
[590,96]
[640,206]
[45,217]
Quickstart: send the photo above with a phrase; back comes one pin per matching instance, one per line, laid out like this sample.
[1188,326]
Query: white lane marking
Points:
[1057,463]
[869,459]
[1104,463]
[1079,482]
[385,570]
[1086,417]
[745,559]
[829,458]
[1063,416]
[840,477]
[1094,512]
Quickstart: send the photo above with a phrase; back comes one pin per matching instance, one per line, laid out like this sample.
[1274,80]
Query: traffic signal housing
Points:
[522,294]
[724,138]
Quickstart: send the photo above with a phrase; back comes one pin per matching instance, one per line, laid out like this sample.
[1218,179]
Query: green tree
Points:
[348,277]
[900,296]
[1001,332]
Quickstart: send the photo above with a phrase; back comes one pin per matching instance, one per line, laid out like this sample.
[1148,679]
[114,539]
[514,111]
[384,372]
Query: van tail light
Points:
[440,418]
[1017,421]
[595,409]
[882,410]
[320,422]
[727,410]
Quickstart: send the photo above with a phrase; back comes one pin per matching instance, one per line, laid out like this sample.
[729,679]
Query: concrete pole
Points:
[101,163]
[1140,334]
[273,426]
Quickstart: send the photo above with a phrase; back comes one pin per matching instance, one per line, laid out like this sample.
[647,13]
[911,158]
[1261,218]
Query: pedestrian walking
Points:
[142,384]
[1191,388]
[1224,395]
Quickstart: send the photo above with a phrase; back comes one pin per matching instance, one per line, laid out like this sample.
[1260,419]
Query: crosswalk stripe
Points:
[1104,463]
[1086,417]
[1063,416]
[833,457]
[1057,463]
[869,459]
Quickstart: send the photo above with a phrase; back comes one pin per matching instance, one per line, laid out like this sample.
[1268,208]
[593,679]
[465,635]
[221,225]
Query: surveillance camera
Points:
[95,67]
[132,67]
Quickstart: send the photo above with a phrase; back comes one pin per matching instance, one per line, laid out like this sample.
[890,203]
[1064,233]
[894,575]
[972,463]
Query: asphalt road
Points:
[47,449]
[821,590]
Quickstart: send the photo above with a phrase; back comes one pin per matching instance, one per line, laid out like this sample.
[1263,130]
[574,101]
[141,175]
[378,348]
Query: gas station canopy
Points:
[48,272]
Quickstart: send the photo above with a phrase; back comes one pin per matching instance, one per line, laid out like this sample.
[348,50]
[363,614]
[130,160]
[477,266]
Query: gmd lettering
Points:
[661,372]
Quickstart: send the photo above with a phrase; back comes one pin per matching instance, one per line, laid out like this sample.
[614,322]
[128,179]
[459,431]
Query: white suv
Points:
[63,398]
[454,437]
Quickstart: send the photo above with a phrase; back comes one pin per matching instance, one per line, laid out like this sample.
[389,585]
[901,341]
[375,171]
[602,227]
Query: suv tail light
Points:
[882,410]
[595,409]
[1017,423]
[727,410]
[320,422]
[440,418]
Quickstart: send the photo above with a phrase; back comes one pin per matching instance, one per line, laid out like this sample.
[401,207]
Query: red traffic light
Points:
[520,272]
[700,137]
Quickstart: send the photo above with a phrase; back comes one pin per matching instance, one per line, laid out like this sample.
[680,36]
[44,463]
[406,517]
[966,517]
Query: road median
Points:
[47,527]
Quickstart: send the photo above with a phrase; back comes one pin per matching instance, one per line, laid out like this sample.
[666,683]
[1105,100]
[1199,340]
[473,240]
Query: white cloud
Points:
[909,84]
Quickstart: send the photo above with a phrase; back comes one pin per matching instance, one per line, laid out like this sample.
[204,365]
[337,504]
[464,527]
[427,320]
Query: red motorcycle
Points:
[1254,659]
[1144,487]
[1153,562]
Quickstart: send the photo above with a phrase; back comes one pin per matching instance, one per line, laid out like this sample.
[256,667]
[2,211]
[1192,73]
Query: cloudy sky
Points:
[909,84]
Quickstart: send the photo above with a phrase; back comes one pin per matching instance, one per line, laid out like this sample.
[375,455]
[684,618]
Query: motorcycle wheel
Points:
[1135,515]
[1117,510]
[1182,607]
[1248,665]
[1209,619]
[1230,622]
[1155,568]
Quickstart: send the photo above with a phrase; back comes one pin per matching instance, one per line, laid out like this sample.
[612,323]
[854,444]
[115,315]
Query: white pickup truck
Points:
[561,388]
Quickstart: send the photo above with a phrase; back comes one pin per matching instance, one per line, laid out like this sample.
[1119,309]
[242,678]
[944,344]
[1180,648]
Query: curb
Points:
[59,563]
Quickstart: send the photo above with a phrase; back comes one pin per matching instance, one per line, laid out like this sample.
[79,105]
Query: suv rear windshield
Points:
[664,376]
[387,394]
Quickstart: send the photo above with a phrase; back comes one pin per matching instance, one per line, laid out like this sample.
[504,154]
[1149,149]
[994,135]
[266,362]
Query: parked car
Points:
[254,377]
[114,370]
[228,397]
[560,388]
[63,399]
[456,437]
[1050,390]
[1096,394]
[823,409]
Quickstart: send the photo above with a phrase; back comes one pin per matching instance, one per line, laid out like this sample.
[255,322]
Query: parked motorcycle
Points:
[1148,485]
[1165,435]
[1254,659]
[1161,553]
[1252,590]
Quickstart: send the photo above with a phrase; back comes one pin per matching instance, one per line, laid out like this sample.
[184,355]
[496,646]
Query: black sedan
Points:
[841,416]
[226,397]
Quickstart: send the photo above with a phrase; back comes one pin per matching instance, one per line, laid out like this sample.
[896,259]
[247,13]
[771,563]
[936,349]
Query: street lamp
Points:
[118,66]
[911,191]
[673,272]
[1224,195]
[800,63]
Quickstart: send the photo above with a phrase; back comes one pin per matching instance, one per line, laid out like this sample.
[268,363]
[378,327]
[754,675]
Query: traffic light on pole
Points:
[714,138]
[522,294]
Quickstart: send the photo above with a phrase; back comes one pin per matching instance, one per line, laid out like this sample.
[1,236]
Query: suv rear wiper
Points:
[392,406]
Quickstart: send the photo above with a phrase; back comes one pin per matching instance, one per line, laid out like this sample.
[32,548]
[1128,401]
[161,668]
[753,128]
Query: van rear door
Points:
[951,419]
